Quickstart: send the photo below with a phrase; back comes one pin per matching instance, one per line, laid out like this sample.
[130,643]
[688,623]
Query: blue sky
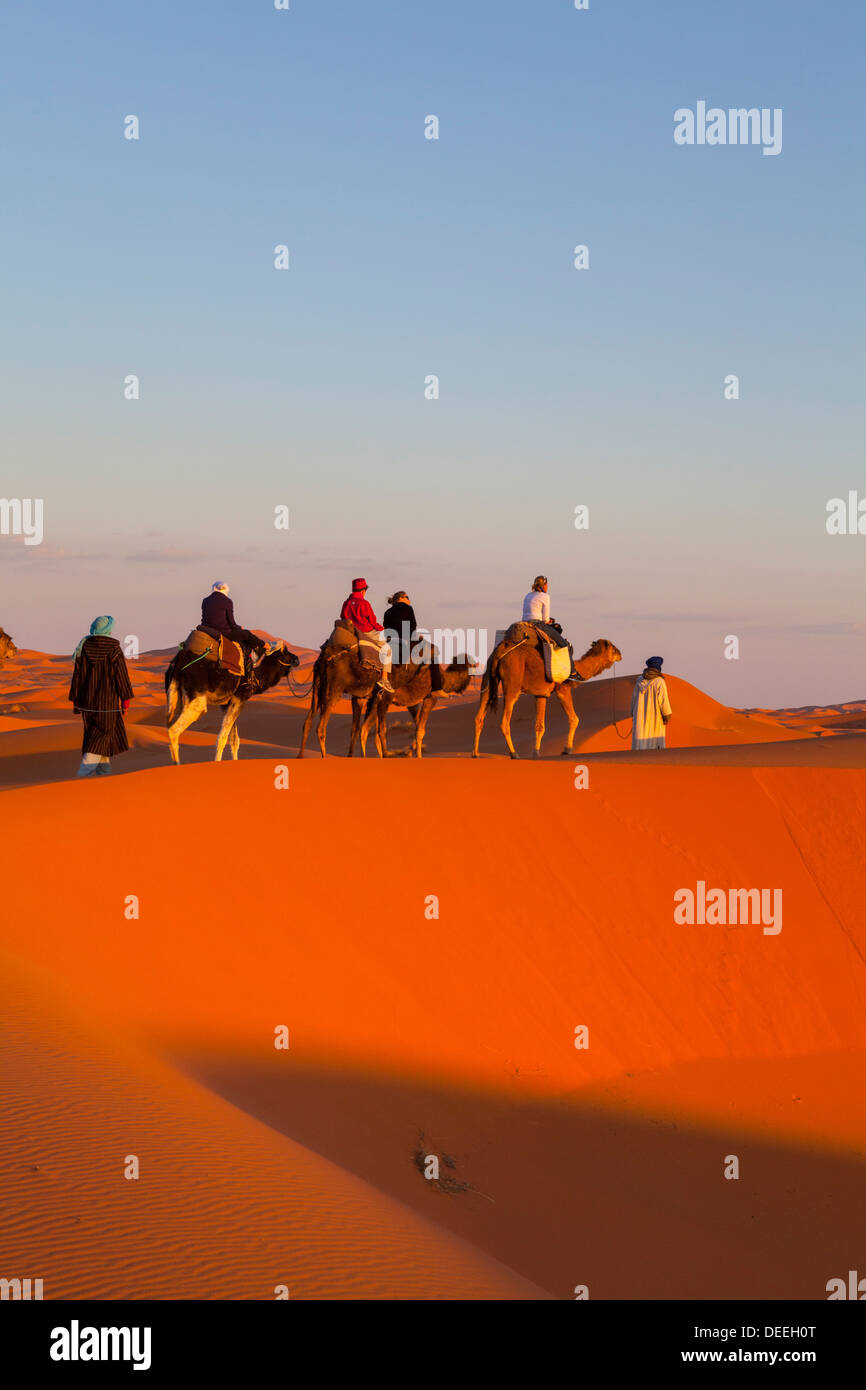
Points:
[454,257]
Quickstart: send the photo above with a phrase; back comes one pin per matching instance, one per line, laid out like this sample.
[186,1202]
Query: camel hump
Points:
[520,632]
[342,636]
[200,643]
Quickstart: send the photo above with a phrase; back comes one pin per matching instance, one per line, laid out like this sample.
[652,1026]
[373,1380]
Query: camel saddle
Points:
[343,636]
[212,646]
[346,637]
[557,659]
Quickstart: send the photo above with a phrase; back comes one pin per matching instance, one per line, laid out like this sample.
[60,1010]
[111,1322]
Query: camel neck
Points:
[589,666]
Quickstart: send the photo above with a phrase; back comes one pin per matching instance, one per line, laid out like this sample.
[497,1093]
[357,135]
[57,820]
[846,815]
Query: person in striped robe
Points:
[100,692]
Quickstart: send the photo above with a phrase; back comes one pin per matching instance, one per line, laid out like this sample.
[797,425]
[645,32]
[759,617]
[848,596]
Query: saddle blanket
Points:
[231,657]
[370,652]
[557,663]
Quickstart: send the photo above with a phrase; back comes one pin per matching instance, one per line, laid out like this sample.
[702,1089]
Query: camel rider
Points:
[402,636]
[536,610]
[357,611]
[218,618]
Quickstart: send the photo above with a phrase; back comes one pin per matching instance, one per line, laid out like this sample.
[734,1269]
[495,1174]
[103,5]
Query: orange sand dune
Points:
[413,1034]
[698,719]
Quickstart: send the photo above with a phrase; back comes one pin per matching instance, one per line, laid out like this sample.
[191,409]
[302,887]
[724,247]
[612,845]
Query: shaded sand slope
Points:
[412,1035]
[622,1186]
[224,1207]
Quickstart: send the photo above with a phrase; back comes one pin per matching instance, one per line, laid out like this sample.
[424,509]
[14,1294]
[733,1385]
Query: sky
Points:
[409,258]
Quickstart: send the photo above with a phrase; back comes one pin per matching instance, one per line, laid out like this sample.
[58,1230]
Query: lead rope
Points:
[80,709]
[205,653]
[613,704]
[295,686]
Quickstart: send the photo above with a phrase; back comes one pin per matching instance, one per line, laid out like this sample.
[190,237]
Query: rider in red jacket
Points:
[357,611]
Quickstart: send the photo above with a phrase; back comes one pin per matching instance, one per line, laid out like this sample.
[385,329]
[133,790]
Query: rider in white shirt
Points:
[536,605]
[536,609]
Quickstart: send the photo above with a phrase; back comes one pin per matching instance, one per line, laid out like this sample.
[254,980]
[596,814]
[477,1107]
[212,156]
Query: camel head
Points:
[597,658]
[608,651]
[462,661]
[284,658]
[277,662]
[458,673]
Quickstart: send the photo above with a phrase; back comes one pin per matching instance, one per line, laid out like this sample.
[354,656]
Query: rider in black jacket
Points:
[218,616]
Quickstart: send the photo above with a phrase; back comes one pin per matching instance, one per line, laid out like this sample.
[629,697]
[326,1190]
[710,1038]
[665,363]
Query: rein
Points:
[295,686]
[195,658]
[255,688]
[613,704]
[81,709]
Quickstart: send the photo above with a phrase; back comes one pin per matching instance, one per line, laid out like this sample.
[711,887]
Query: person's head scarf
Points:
[100,627]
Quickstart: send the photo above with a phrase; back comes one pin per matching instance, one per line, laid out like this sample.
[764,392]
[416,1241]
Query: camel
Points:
[413,685]
[7,646]
[337,673]
[191,686]
[517,664]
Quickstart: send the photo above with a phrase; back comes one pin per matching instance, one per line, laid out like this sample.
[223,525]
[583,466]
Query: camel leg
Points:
[382,706]
[357,723]
[353,736]
[191,711]
[564,696]
[540,712]
[375,721]
[234,740]
[511,699]
[322,728]
[232,710]
[315,698]
[173,740]
[307,722]
[421,714]
[415,712]
[480,717]
[370,718]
